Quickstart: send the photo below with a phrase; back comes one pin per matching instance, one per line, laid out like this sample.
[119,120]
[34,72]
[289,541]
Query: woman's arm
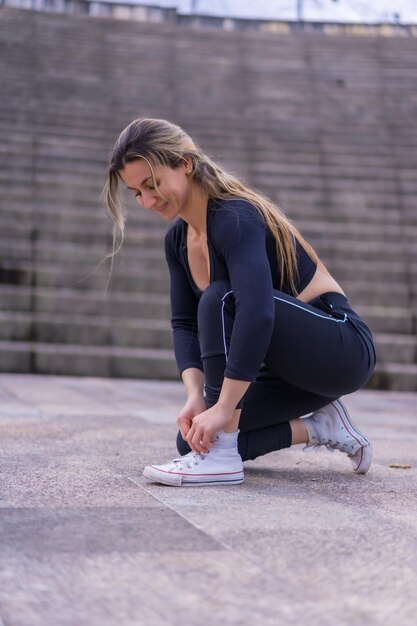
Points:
[184,304]
[232,392]
[239,235]
[196,422]
[193,380]
[221,416]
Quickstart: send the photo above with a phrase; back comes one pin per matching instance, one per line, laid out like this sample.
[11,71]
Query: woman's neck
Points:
[195,211]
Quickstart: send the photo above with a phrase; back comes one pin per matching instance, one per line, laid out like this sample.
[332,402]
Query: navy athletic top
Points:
[242,250]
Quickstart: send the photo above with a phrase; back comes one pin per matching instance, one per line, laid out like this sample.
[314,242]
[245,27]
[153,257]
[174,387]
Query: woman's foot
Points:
[332,427]
[221,465]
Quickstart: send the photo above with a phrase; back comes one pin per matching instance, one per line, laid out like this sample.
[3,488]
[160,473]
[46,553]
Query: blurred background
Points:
[313,102]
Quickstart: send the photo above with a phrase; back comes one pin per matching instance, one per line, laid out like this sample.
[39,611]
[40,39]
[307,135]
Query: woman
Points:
[263,334]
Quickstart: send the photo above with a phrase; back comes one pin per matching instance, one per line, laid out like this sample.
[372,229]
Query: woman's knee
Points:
[214,297]
[216,307]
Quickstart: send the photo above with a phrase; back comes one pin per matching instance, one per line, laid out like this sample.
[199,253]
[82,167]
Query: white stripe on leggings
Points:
[331,319]
[224,332]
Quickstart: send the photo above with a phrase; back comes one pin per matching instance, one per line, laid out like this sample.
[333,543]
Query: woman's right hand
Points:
[194,406]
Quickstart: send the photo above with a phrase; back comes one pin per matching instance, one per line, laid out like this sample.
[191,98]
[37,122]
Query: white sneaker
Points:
[332,427]
[221,465]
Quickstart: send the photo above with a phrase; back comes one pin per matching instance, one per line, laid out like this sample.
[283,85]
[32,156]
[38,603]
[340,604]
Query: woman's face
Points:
[174,187]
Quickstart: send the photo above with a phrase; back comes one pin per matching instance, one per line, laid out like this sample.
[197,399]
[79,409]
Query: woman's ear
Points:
[188,164]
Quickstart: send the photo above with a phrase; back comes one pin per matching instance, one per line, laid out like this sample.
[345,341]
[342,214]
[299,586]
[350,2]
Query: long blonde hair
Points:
[160,142]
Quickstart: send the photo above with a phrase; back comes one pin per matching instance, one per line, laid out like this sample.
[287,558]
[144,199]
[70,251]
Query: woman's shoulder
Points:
[233,211]
[235,221]
[232,205]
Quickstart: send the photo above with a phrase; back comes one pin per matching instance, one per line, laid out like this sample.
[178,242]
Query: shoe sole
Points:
[365,453]
[173,479]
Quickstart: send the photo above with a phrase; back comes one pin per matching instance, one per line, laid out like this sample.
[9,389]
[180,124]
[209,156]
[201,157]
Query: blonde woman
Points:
[263,334]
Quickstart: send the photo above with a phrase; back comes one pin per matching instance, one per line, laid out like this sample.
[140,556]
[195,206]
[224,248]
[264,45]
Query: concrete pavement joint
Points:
[169,506]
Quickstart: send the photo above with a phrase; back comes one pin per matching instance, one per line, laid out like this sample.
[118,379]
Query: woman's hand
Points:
[205,425]
[194,406]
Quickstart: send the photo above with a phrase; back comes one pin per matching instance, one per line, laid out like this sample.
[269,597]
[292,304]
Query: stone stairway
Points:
[324,125]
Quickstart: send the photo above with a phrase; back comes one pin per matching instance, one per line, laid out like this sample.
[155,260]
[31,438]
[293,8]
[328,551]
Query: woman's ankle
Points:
[299,432]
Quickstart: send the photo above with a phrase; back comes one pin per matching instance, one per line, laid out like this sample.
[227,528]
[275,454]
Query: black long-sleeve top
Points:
[242,250]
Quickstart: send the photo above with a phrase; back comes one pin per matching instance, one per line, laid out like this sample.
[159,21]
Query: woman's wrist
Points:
[231,393]
[195,393]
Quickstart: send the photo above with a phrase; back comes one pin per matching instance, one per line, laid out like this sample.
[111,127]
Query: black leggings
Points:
[318,352]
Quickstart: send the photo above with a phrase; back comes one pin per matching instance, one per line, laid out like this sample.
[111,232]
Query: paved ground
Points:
[86,540]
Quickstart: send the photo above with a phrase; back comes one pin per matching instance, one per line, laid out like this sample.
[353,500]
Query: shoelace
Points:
[188,460]
[309,447]
[330,445]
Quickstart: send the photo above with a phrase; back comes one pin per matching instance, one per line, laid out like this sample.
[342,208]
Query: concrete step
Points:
[56,194]
[347,269]
[65,156]
[388,319]
[61,128]
[370,252]
[55,252]
[341,164]
[375,292]
[84,360]
[54,180]
[84,277]
[78,302]
[396,348]
[345,207]
[336,184]
[30,210]
[375,232]
[321,136]
[62,146]
[85,329]
[95,233]
[394,376]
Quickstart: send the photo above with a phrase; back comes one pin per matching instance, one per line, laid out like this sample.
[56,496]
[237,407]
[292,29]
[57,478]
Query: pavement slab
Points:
[85,539]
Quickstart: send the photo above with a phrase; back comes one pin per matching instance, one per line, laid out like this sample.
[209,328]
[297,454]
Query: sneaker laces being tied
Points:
[188,460]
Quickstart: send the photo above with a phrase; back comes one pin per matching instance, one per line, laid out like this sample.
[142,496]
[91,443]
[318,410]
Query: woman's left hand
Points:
[205,425]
